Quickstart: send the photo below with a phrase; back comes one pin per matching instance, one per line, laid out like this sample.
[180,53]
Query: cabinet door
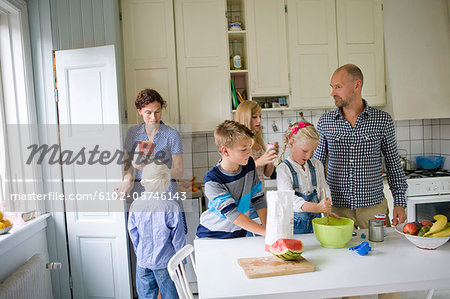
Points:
[149,54]
[312,51]
[360,41]
[203,75]
[266,27]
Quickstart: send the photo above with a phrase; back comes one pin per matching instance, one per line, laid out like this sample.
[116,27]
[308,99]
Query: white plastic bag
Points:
[280,216]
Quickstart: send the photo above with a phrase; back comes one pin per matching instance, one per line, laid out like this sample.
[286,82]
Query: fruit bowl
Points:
[335,235]
[422,242]
[5,230]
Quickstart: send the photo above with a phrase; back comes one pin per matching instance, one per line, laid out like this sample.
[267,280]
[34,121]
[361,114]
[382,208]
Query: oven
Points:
[428,194]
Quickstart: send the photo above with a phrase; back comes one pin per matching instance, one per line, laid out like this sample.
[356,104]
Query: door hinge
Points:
[285,8]
[120,16]
[290,91]
[126,114]
[382,8]
[56,96]
[70,282]
[385,88]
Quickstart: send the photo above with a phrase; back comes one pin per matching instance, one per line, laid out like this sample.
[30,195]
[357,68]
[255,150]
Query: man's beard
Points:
[340,102]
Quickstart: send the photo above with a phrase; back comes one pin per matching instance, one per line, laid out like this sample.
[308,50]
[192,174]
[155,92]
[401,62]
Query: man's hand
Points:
[399,215]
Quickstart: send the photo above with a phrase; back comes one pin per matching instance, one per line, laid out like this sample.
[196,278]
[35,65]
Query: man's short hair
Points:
[354,71]
[229,133]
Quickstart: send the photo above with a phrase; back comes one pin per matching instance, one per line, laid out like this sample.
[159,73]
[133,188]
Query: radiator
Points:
[30,281]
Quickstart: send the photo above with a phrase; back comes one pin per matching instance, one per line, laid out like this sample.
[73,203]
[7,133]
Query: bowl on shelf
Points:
[422,242]
[336,234]
[429,162]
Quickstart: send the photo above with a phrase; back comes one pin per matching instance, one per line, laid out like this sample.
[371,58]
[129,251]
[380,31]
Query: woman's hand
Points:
[138,166]
[266,158]
[277,148]
[124,188]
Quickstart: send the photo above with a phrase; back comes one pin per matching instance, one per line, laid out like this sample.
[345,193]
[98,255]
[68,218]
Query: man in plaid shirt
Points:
[353,137]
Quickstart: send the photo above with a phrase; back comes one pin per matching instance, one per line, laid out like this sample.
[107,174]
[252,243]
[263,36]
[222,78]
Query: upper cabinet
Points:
[267,47]
[202,60]
[149,54]
[418,58]
[360,41]
[313,51]
[180,49]
[325,34]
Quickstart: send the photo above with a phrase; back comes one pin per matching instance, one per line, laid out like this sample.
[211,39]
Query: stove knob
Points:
[435,188]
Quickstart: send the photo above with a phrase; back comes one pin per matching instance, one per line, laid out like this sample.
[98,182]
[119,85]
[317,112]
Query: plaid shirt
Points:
[354,171]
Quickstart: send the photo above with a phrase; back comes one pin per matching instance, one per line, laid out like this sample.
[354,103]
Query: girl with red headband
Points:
[305,175]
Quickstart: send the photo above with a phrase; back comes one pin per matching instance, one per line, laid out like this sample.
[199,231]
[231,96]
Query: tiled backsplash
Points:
[424,137]
[414,138]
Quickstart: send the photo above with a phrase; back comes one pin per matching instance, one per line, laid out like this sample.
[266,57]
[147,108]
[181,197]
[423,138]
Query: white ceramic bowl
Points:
[422,242]
[5,230]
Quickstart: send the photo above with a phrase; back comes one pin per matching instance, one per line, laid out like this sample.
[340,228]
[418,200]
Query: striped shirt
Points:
[229,194]
[354,169]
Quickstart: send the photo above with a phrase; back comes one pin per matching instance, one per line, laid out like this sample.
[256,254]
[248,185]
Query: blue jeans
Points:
[148,282]
[303,222]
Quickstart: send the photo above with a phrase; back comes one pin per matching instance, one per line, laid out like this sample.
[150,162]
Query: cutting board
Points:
[256,267]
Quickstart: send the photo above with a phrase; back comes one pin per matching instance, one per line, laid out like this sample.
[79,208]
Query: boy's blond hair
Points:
[244,114]
[229,133]
[307,132]
[156,177]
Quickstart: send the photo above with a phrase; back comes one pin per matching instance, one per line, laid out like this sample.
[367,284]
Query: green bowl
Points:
[335,235]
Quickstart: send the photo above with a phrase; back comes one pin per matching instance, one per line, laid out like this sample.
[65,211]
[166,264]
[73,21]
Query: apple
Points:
[426,222]
[410,228]
[418,224]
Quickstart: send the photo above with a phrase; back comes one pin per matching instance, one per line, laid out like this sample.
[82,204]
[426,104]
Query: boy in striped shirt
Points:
[231,185]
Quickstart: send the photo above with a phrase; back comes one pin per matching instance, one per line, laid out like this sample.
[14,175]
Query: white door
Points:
[89,118]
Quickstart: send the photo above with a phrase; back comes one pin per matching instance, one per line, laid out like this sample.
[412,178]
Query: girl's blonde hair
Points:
[244,113]
[305,131]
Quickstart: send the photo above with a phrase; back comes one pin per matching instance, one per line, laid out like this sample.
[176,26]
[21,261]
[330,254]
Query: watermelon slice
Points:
[287,249]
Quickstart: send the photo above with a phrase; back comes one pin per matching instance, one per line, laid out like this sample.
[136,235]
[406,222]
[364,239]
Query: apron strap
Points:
[296,185]
[312,197]
[312,171]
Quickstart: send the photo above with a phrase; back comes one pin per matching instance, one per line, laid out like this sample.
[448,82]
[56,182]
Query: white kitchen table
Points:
[394,265]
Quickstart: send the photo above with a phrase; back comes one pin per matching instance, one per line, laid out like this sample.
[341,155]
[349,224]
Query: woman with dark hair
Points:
[161,144]
[164,141]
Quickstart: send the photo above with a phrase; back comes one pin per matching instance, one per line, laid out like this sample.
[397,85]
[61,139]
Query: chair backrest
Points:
[177,272]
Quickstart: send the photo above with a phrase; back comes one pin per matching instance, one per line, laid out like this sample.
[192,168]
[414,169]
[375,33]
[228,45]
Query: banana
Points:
[442,233]
[441,222]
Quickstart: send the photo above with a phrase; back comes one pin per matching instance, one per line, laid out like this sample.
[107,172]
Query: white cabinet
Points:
[202,59]
[418,58]
[360,41]
[312,51]
[149,54]
[325,34]
[267,49]
[180,49]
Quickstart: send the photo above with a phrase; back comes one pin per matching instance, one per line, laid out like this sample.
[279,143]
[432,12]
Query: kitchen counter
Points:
[394,265]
